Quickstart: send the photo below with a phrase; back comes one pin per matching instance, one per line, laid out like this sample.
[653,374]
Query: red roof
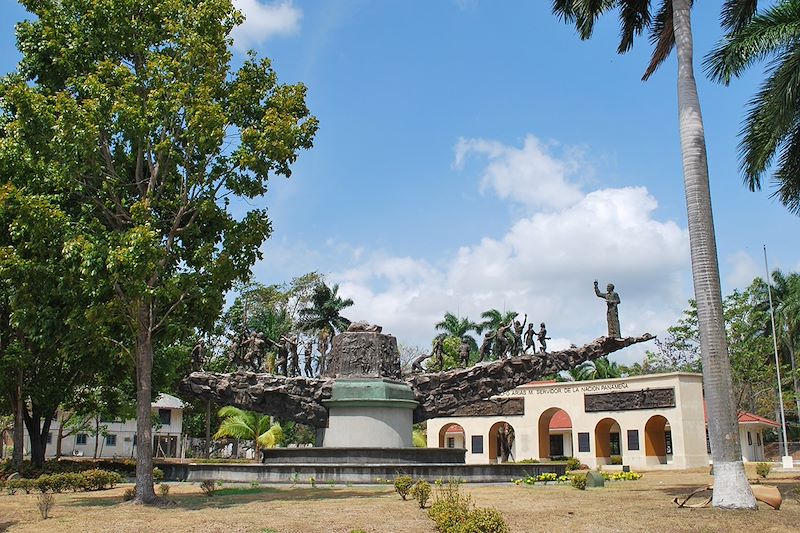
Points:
[746,418]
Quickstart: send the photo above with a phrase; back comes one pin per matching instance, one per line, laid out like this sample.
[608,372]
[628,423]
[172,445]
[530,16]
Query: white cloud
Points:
[531,175]
[743,269]
[543,265]
[263,21]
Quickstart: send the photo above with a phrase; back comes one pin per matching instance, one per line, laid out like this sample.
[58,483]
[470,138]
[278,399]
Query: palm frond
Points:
[774,31]
[737,13]
[662,37]
[634,17]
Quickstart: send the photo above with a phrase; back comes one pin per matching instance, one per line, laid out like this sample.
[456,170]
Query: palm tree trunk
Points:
[731,489]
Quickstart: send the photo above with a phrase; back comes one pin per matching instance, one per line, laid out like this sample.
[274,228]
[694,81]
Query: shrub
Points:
[100,479]
[402,485]
[579,481]
[45,502]
[15,485]
[451,508]
[573,464]
[312,481]
[484,520]
[163,490]
[129,494]
[45,482]
[208,487]
[73,481]
[616,459]
[158,475]
[559,458]
[528,461]
[421,491]
[763,469]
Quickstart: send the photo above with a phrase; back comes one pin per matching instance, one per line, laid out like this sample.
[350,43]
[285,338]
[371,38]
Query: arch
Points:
[607,440]
[655,438]
[496,453]
[543,430]
[456,432]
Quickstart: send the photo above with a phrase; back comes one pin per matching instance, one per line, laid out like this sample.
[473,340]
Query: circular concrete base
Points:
[368,413]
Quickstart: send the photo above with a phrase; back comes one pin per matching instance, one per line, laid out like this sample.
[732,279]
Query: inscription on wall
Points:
[630,400]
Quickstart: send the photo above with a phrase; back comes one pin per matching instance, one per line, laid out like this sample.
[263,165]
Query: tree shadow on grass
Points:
[232,497]
[5,525]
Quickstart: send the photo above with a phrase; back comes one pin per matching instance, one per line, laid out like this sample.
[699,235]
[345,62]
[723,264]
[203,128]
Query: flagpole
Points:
[777,365]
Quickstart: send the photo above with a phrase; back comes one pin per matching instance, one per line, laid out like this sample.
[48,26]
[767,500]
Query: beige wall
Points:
[685,421]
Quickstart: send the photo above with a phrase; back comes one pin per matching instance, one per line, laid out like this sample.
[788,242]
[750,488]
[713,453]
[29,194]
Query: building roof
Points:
[167,401]
[746,418]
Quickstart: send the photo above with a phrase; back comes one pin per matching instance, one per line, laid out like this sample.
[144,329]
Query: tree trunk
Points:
[207,450]
[19,432]
[731,489]
[38,425]
[144,428]
[795,380]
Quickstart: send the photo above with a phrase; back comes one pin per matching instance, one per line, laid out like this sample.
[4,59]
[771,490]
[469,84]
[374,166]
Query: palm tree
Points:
[451,326]
[671,28]
[600,368]
[772,125]
[247,425]
[324,313]
[493,319]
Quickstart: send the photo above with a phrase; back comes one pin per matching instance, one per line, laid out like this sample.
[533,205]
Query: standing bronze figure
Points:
[612,314]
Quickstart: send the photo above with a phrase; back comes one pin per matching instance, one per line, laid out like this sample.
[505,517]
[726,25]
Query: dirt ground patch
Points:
[643,505]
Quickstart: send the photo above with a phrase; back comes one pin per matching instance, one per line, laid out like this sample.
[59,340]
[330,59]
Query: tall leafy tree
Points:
[134,116]
[493,319]
[770,137]
[669,23]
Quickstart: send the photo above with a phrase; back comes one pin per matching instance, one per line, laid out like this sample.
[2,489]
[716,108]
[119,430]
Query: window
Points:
[50,438]
[758,438]
[80,439]
[477,444]
[633,439]
[111,440]
[749,439]
[615,444]
[451,442]
[708,443]
[164,416]
[583,442]
[134,439]
[556,445]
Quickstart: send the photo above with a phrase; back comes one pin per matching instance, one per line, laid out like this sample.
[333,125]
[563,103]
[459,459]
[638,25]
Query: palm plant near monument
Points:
[770,137]
[670,27]
[325,311]
[452,326]
[246,425]
[493,319]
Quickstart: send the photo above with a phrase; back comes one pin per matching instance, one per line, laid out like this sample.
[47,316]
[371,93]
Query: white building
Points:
[118,437]
[652,421]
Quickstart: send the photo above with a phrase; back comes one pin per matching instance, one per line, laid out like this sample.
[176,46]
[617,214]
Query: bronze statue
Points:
[542,336]
[198,356]
[502,344]
[529,335]
[294,358]
[486,346]
[438,353]
[416,365]
[463,353]
[307,351]
[612,314]
[282,357]
[518,328]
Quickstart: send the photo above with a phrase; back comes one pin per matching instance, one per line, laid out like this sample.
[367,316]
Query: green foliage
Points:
[324,314]
[403,484]
[313,482]
[573,464]
[578,481]
[763,469]
[248,425]
[421,491]
[418,438]
[484,520]
[94,479]
[208,487]
[621,476]
[158,475]
[616,459]
[163,490]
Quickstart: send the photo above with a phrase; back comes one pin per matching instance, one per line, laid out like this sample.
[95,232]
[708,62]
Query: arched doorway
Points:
[501,443]
[657,440]
[555,434]
[452,436]
[607,440]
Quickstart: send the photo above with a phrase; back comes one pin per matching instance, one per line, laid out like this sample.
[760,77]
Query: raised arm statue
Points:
[612,314]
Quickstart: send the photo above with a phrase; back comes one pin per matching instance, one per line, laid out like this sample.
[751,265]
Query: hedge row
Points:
[126,467]
[75,481]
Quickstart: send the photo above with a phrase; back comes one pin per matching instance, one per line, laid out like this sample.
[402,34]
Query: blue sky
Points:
[476,154]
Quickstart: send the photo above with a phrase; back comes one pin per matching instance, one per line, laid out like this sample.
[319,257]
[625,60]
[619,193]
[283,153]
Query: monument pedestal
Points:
[364,412]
